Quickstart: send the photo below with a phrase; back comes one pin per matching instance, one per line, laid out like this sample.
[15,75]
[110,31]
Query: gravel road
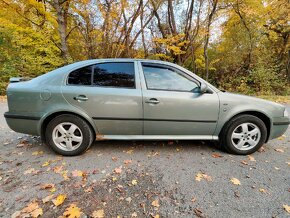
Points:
[143,179]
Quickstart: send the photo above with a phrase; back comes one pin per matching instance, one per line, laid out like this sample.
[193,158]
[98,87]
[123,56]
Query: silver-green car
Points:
[132,99]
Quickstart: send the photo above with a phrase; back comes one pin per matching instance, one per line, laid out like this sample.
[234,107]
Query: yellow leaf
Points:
[201,176]
[77,173]
[130,151]
[286,208]
[37,153]
[134,182]
[198,177]
[98,214]
[235,181]
[72,211]
[45,164]
[52,190]
[262,190]
[156,216]
[59,200]
[155,203]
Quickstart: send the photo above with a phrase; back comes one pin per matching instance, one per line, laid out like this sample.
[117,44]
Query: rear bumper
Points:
[22,123]
[279,127]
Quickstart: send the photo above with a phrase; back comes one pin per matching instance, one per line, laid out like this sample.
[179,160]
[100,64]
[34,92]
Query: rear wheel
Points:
[244,134]
[69,135]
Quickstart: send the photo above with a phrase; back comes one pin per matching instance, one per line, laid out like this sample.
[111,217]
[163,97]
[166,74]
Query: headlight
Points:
[286,113]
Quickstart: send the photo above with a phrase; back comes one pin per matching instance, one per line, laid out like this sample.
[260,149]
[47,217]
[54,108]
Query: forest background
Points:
[237,45]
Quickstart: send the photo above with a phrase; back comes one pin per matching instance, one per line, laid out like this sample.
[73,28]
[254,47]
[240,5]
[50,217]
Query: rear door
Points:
[110,93]
[173,104]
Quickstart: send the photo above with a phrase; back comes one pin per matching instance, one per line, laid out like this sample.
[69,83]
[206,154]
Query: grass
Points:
[284,99]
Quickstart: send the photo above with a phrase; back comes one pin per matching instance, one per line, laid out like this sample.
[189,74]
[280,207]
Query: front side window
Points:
[82,76]
[120,75]
[162,78]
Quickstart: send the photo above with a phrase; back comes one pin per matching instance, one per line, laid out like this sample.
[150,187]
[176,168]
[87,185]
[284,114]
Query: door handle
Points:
[81,98]
[152,101]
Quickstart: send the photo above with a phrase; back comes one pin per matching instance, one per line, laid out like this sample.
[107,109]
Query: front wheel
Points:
[244,134]
[69,135]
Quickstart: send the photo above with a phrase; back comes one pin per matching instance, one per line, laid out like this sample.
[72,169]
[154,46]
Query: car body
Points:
[150,100]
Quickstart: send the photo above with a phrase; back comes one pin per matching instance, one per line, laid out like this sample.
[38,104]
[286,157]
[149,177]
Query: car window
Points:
[159,78]
[82,76]
[114,75]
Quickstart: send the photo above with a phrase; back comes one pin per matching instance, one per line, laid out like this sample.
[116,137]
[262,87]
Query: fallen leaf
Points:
[77,173]
[129,199]
[156,216]
[235,181]
[288,163]
[45,164]
[57,169]
[201,176]
[59,200]
[47,198]
[262,190]
[47,186]
[30,207]
[118,170]
[134,214]
[127,161]
[98,214]
[216,155]
[155,203]
[36,213]
[286,208]
[130,151]
[282,137]
[262,149]
[72,211]
[193,199]
[279,150]
[244,162]
[134,182]
[31,171]
[114,159]
[52,190]
[37,153]
[251,158]
[198,212]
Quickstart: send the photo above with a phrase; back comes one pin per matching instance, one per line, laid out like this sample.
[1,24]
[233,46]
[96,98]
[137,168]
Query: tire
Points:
[243,135]
[69,135]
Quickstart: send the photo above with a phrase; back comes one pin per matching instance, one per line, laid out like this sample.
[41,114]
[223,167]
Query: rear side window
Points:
[120,75]
[82,76]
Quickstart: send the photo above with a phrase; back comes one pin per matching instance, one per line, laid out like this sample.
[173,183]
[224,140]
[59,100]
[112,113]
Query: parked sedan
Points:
[132,99]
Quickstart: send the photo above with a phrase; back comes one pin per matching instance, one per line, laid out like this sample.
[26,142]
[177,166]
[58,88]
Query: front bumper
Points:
[279,126]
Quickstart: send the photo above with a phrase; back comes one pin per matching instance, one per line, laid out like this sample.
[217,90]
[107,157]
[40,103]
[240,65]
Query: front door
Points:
[109,94]
[173,104]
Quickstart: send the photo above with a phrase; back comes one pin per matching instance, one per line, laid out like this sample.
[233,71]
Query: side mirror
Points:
[203,87]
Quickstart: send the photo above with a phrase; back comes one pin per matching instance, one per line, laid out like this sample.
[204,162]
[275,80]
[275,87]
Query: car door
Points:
[110,94]
[173,104]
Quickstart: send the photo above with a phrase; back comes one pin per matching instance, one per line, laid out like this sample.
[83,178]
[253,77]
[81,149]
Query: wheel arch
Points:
[51,116]
[260,115]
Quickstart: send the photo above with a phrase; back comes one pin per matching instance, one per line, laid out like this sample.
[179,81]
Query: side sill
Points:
[156,137]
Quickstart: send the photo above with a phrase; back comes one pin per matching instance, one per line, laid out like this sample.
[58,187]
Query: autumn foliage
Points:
[238,45]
